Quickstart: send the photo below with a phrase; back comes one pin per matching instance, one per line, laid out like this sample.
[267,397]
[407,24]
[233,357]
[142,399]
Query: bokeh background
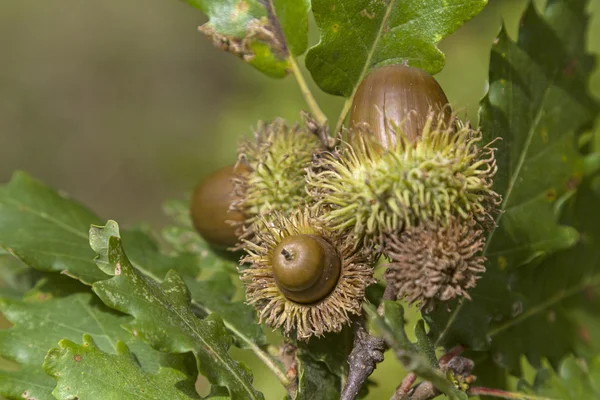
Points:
[123,104]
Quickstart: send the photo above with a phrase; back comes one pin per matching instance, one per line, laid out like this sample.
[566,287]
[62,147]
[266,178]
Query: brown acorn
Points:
[401,96]
[303,277]
[210,204]
[306,268]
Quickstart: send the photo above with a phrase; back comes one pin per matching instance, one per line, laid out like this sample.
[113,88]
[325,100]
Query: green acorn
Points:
[277,160]
[408,161]
[376,191]
[302,277]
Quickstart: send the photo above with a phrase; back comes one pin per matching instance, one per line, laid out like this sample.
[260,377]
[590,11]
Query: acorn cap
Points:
[277,159]
[445,174]
[210,204]
[401,95]
[433,264]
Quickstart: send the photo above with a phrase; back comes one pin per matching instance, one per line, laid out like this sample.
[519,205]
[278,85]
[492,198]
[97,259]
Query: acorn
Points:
[303,277]
[210,207]
[306,268]
[414,163]
[399,95]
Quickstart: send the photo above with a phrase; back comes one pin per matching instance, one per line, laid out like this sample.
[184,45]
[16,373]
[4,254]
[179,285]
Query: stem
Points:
[343,113]
[482,391]
[366,353]
[308,97]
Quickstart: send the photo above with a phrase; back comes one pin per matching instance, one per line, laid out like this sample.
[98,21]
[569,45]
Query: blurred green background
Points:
[123,104]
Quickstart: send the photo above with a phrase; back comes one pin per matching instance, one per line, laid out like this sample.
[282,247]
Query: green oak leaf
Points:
[56,310]
[554,302]
[15,277]
[332,349]
[169,302]
[184,239]
[209,295]
[29,382]
[575,379]
[49,232]
[86,372]
[45,229]
[357,35]
[537,103]
[264,33]
[214,295]
[315,380]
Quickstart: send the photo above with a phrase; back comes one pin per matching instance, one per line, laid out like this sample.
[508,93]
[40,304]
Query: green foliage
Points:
[538,104]
[315,380]
[59,308]
[264,33]
[169,302]
[46,230]
[576,379]
[26,383]
[391,328]
[84,371]
[358,35]
[155,318]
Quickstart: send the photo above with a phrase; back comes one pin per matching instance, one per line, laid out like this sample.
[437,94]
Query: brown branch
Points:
[366,353]
[320,129]
[424,391]
[401,392]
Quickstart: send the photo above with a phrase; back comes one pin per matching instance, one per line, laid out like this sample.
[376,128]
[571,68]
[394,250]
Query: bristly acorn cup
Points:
[378,192]
[302,277]
[412,183]
[276,159]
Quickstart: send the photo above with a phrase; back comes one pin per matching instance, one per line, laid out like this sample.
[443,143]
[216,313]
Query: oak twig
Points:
[318,129]
[366,353]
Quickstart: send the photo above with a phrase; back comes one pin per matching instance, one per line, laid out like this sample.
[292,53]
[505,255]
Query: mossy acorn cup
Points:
[210,207]
[399,95]
[408,161]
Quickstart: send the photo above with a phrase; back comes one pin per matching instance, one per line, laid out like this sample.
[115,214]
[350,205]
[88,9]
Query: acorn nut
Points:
[401,95]
[209,207]
[306,268]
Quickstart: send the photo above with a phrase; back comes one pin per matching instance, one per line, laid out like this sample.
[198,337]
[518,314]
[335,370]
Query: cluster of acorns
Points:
[409,183]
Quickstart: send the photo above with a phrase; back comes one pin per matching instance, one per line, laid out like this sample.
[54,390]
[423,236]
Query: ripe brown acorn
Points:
[303,277]
[306,268]
[399,95]
[209,207]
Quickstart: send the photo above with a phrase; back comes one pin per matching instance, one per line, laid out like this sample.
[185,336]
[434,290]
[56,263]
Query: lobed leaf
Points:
[169,302]
[45,229]
[537,103]
[29,383]
[264,33]
[57,311]
[49,232]
[84,371]
[357,35]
